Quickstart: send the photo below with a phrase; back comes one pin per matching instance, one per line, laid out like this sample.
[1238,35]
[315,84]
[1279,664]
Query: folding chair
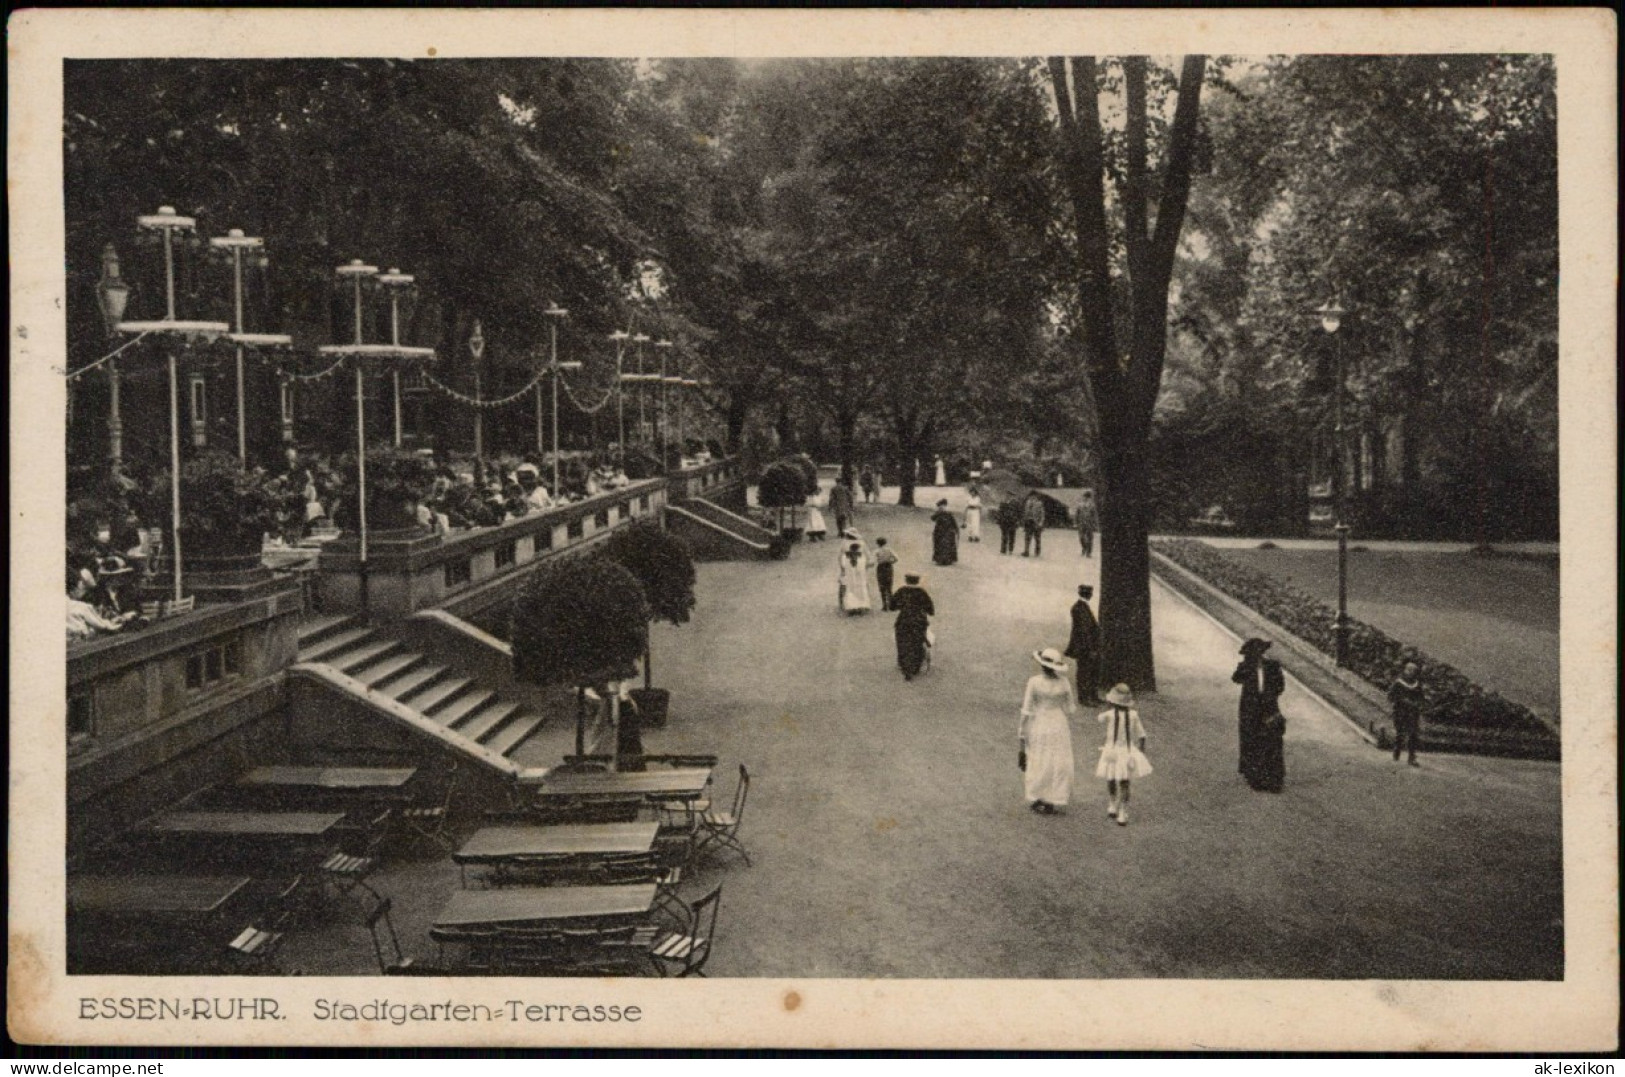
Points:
[675,856]
[255,949]
[688,950]
[380,914]
[344,873]
[430,822]
[721,828]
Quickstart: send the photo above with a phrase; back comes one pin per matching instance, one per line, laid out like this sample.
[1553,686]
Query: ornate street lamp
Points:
[554,313]
[620,337]
[169,224]
[1331,319]
[476,351]
[237,245]
[361,353]
[112,296]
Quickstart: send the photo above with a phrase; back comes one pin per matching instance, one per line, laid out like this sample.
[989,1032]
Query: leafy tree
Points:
[662,564]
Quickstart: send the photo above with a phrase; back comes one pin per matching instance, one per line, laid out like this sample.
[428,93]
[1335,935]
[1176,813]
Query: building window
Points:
[81,718]
[200,410]
[506,554]
[458,572]
[212,665]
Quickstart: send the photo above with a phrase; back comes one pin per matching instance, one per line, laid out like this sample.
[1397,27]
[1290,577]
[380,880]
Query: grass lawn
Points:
[1495,619]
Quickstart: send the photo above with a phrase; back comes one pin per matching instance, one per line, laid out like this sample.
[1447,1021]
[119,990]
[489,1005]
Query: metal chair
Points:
[720,829]
[380,915]
[686,952]
[430,822]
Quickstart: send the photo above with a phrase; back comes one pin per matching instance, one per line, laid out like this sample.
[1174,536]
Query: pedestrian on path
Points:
[914,612]
[973,515]
[1088,523]
[942,473]
[1122,757]
[1406,696]
[816,527]
[840,504]
[1032,526]
[1008,517]
[1046,735]
[853,591]
[866,483]
[885,566]
[944,535]
[1083,646]
[1261,726]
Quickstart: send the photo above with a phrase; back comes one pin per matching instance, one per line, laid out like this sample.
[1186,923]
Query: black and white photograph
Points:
[928,536]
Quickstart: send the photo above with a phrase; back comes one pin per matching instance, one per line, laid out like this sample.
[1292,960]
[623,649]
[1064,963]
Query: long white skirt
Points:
[855,593]
[1050,765]
[973,524]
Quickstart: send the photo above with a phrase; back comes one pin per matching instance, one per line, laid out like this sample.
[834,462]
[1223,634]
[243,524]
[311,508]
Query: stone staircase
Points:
[714,533]
[372,664]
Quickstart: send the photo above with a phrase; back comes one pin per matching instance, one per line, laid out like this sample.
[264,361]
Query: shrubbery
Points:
[1452,699]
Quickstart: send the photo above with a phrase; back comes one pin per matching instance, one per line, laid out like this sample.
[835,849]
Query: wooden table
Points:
[543,904]
[180,896]
[497,843]
[245,824]
[662,783]
[359,779]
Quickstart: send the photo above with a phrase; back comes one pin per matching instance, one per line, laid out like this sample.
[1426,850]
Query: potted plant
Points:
[225,510]
[397,479]
[783,486]
[582,622]
[662,564]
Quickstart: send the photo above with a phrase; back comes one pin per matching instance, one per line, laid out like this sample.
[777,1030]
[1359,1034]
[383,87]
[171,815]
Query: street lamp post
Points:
[476,350]
[168,222]
[1331,318]
[113,296]
[237,244]
[620,337]
[665,347]
[554,313]
[640,339]
[397,283]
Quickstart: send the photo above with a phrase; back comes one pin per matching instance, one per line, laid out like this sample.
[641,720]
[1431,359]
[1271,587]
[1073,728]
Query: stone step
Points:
[318,625]
[330,645]
[515,733]
[426,701]
[488,720]
[360,657]
[378,673]
[415,680]
[461,707]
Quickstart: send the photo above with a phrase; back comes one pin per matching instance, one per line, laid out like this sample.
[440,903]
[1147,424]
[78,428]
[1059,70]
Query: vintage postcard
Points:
[940,529]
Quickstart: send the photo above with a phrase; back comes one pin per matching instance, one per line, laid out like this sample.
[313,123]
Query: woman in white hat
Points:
[1122,757]
[854,579]
[1046,737]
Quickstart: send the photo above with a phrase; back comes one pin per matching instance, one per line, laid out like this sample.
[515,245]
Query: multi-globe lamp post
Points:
[555,314]
[176,333]
[237,245]
[356,273]
[1331,319]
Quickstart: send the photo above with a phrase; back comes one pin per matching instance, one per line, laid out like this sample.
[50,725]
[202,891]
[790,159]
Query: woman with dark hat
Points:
[914,612]
[1046,735]
[1262,728]
[113,575]
[944,535]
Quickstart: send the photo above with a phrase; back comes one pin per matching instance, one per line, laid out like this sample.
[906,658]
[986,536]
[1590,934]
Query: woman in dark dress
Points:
[944,535]
[1261,726]
[914,613]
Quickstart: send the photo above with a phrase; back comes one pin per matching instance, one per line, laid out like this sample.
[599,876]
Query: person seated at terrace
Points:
[83,620]
[113,602]
[531,482]
[514,503]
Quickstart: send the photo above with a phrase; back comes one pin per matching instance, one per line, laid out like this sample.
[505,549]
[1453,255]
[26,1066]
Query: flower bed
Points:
[1451,699]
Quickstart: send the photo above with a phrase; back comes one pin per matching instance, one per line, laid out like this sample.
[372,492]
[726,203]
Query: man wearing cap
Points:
[1262,729]
[1083,646]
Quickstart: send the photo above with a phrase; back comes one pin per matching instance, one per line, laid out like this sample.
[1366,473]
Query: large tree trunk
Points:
[847,425]
[1125,563]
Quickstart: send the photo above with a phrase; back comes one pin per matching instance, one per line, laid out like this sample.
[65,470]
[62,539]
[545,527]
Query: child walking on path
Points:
[1122,757]
[885,570]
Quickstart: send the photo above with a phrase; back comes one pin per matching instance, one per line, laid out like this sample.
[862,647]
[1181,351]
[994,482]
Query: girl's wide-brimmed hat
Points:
[1255,646]
[1120,696]
[1050,658]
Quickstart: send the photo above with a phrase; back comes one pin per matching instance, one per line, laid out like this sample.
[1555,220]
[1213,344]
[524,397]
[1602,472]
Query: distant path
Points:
[891,840]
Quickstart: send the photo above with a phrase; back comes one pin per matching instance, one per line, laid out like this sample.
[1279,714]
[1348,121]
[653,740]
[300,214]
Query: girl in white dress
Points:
[854,580]
[1122,758]
[1046,737]
[816,528]
[973,516]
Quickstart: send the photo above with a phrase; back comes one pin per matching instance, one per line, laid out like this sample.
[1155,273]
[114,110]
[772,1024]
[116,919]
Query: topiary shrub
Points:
[783,485]
[225,510]
[582,622]
[663,566]
[809,472]
[396,478]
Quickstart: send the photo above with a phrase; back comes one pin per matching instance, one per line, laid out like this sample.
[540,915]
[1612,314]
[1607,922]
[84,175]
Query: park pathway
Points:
[890,837]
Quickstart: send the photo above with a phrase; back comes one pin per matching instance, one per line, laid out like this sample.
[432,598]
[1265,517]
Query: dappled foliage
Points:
[578,622]
[661,563]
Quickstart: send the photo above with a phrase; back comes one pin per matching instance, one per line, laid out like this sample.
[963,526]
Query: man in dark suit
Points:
[840,504]
[1261,727]
[1083,646]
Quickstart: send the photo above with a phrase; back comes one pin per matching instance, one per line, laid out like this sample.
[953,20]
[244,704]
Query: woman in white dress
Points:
[1122,757]
[816,528]
[973,516]
[1046,737]
[854,580]
[942,473]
